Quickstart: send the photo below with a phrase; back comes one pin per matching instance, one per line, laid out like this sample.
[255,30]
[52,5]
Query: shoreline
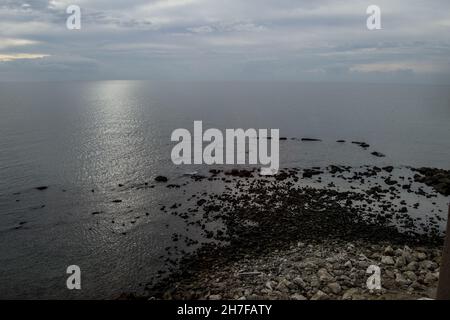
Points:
[273,222]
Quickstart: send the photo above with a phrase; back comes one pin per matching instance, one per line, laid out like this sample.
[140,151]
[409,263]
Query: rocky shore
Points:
[305,233]
[280,239]
[317,271]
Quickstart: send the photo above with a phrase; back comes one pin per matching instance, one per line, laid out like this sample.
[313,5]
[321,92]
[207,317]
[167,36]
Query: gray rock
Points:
[335,287]
[324,275]
[412,266]
[388,251]
[297,296]
[320,295]
[420,256]
[410,275]
[350,293]
[427,265]
[388,260]
[400,262]
[298,281]
[430,278]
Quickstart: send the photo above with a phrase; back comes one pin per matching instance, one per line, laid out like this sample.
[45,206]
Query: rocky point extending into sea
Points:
[282,238]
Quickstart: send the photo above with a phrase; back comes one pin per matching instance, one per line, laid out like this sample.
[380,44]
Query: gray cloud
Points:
[323,40]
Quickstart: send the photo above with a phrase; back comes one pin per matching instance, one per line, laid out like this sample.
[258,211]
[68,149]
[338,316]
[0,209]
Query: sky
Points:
[215,40]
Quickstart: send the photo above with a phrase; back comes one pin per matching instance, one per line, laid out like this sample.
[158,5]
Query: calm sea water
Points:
[80,136]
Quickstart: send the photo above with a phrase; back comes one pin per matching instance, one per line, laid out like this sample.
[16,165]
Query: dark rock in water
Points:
[95,212]
[117,201]
[41,188]
[439,179]
[390,182]
[197,177]
[201,202]
[403,210]
[120,185]
[388,169]
[283,138]
[310,139]
[340,141]
[161,179]
[335,169]
[378,154]
[281,176]
[361,144]
[308,173]
[239,173]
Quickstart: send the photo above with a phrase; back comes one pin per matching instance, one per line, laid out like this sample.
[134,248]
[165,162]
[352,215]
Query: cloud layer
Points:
[320,40]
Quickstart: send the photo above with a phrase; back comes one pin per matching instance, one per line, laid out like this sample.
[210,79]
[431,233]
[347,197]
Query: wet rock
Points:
[310,139]
[439,179]
[161,179]
[361,144]
[239,173]
[309,173]
[42,188]
[378,154]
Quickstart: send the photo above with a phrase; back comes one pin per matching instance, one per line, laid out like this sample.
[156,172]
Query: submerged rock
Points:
[161,179]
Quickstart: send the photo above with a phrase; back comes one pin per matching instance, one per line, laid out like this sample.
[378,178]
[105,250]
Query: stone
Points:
[410,275]
[299,282]
[161,179]
[320,295]
[297,296]
[388,251]
[335,287]
[400,262]
[350,293]
[388,260]
[430,278]
[420,256]
[427,265]
[324,275]
[412,266]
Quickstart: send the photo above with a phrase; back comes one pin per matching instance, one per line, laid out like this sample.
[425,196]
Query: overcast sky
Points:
[321,40]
